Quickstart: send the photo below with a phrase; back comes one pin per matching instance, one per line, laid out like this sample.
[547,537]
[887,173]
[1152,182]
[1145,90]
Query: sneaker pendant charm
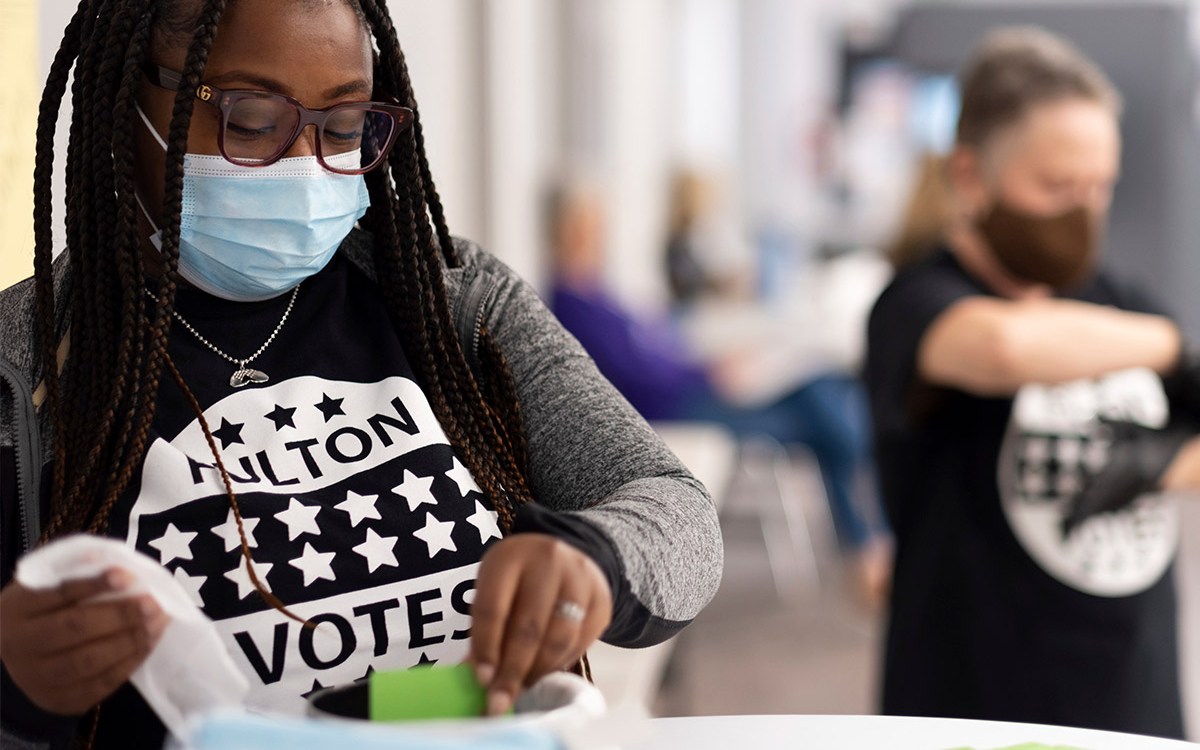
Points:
[246,375]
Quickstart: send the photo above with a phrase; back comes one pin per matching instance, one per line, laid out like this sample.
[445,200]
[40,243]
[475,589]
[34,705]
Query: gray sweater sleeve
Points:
[593,459]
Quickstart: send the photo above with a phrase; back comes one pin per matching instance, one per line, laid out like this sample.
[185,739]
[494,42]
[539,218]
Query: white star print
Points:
[436,535]
[379,550]
[484,520]
[462,477]
[359,507]
[300,518]
[314,564]
[415,490]
[174,544]
[191,584]
[241,577]
[229,532]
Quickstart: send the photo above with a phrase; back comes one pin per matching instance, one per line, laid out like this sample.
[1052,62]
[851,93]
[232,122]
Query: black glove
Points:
[1136,463]
[1182,386]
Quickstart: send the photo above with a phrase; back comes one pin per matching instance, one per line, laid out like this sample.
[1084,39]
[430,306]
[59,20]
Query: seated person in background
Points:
[694,237]
[1031,414]
[648,361]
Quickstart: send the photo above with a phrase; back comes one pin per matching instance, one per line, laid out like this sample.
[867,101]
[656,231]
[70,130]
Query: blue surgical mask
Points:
[252,233]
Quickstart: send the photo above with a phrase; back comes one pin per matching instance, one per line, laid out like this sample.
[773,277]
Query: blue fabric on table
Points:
[247,732]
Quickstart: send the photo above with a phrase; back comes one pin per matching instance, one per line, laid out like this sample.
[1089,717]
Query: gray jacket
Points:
[600,475]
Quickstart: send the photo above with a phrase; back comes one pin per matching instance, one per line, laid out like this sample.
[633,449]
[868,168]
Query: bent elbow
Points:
[1002,362]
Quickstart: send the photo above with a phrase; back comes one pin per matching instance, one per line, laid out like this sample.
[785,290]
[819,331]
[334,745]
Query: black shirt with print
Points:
[978,628]
[358,515]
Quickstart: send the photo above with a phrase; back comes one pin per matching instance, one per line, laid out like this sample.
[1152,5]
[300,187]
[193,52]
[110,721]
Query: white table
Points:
[874,733]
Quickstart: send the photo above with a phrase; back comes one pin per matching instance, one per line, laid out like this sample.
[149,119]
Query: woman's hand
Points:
[66,655]
[539,603]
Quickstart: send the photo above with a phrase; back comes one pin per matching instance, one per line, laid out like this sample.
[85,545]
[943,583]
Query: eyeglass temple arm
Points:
[169,79]
[162,77]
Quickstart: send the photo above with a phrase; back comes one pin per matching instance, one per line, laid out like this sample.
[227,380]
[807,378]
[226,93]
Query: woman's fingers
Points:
[66,655]
[93,659]
[495,592]
[599,615]
[32,602]
[564,633]
[539,603]
[525,630]
[71,627]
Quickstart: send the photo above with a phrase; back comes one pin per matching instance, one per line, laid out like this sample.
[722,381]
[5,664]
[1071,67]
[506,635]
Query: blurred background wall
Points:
[808,116]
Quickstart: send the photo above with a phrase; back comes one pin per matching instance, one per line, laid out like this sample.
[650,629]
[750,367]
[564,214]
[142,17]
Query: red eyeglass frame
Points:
[225,99]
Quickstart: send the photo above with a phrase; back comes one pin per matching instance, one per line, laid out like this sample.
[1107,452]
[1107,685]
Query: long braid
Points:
[193,70]
[172,205]
[102,298]
[88,384]
[480,432]
[111,382]
[78,177]
[380,19]
[432,199]
[126,248]
[43,233]
[413,304]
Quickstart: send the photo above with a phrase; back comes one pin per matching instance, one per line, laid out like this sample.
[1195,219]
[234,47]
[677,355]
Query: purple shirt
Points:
[645,359]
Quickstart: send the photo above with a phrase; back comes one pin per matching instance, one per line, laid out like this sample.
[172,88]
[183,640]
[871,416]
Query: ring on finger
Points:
[569,610]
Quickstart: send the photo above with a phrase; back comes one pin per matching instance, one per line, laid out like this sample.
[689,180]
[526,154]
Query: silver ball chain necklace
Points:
[244,375]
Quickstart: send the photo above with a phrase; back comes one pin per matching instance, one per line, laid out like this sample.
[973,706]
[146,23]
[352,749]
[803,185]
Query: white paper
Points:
[189,673]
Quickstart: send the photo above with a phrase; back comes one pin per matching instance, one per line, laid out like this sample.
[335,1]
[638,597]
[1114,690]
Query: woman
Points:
[1030,414]
[300,414]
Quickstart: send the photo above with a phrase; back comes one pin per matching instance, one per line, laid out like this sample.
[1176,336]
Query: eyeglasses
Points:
[258,127]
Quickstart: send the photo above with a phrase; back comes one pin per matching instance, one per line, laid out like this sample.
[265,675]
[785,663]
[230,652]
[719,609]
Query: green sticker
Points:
[426,692]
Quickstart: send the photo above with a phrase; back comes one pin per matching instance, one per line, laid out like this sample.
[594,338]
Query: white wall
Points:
[443,44]
[522,133]
[635,101]
[706,76]
[787,72]
[54,15]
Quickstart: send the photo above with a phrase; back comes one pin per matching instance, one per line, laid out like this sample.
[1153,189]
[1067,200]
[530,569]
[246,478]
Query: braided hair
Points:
[102,404]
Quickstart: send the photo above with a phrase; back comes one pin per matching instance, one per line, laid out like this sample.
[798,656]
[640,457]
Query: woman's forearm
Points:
[993,347]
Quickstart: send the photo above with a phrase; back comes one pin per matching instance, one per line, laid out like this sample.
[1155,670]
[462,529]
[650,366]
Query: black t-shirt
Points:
[994,615]
[358,514]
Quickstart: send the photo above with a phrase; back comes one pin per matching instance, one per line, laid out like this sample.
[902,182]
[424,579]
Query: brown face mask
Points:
[1056,250]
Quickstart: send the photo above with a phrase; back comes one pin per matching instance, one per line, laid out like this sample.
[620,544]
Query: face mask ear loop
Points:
[138,198]
[156,237]
[145,213]
[150,127]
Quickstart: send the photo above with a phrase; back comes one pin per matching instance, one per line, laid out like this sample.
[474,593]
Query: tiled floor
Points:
[752,652]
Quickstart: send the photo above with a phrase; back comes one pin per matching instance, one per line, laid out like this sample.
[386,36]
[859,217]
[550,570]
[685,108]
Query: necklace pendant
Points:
[245,376]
